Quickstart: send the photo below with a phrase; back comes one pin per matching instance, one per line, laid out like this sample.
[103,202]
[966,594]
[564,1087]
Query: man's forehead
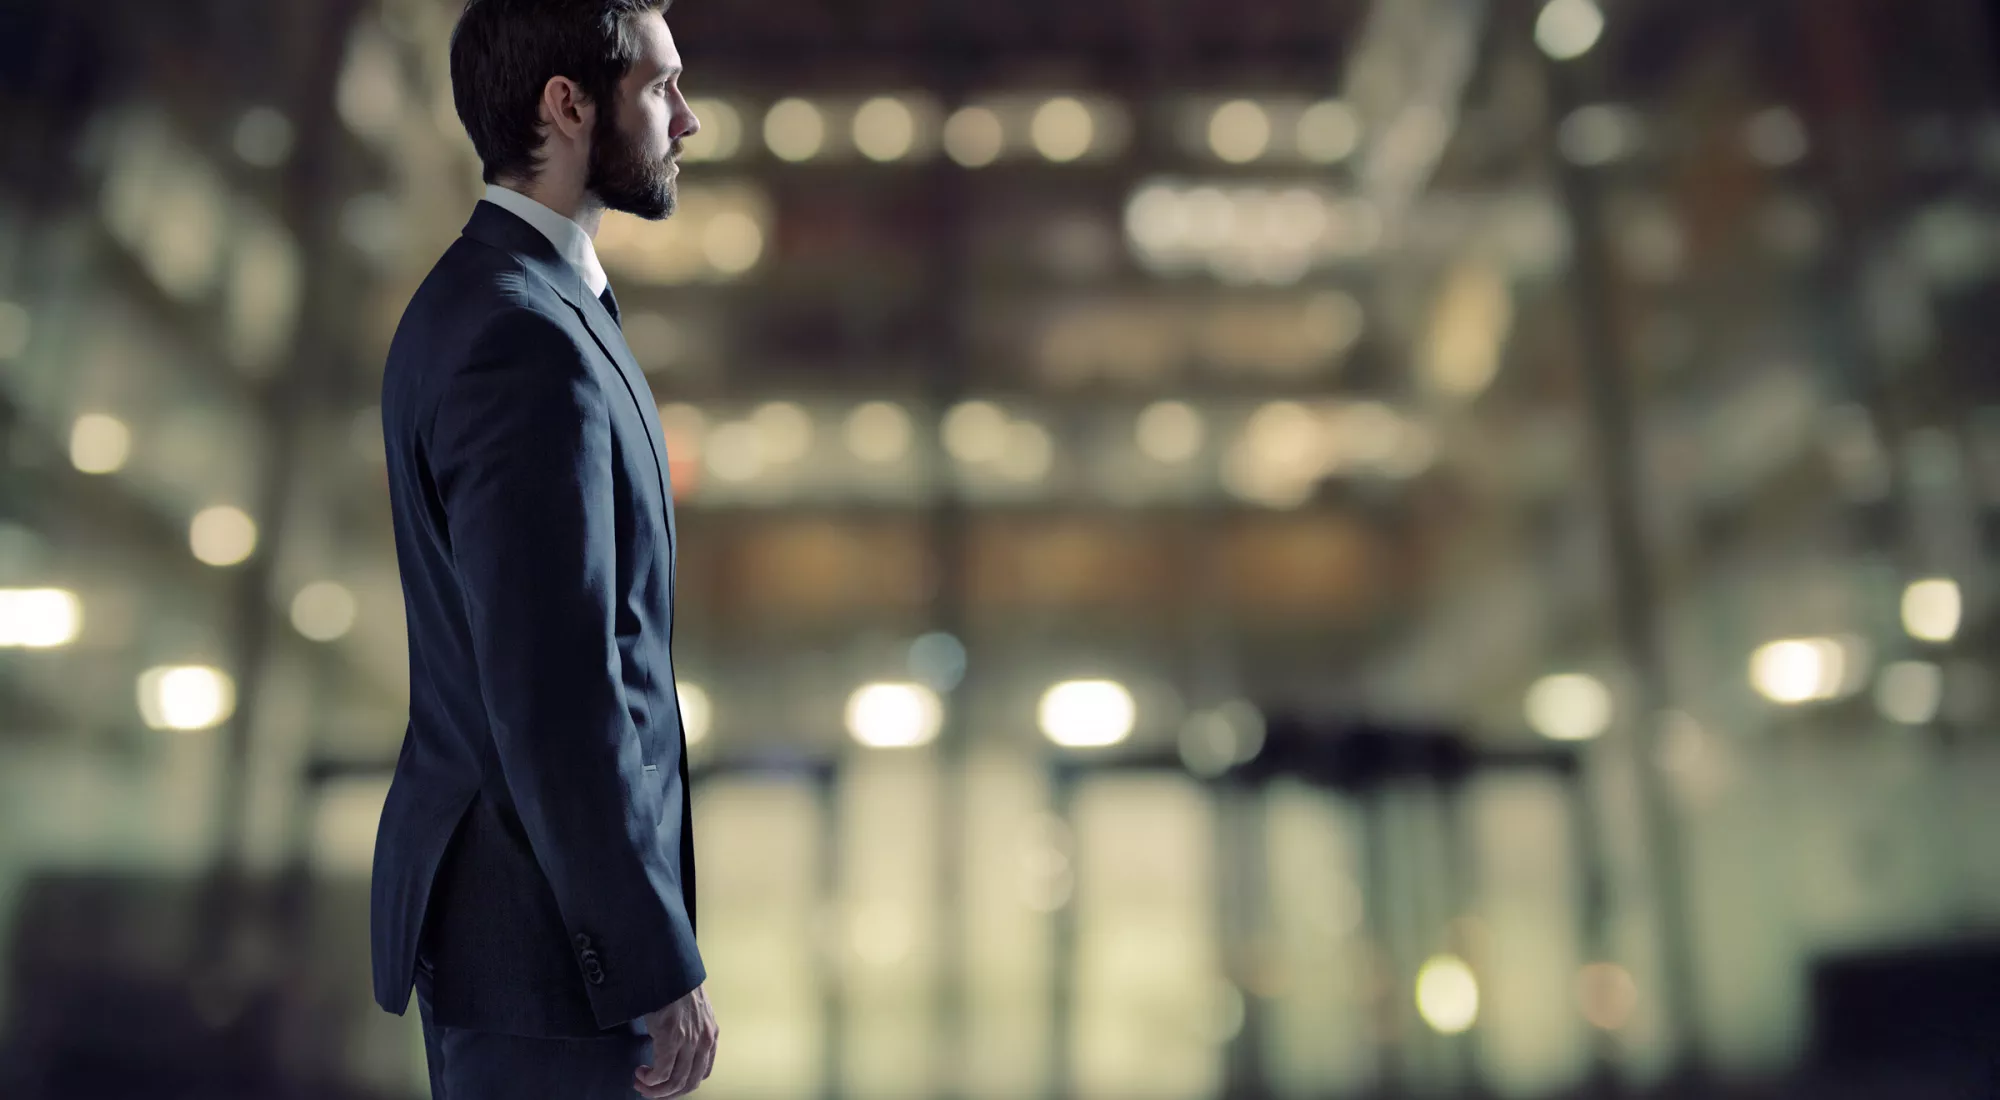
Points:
[657,54]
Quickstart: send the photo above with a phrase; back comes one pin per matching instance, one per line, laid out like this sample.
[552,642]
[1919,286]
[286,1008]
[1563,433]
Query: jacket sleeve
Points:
[521,450]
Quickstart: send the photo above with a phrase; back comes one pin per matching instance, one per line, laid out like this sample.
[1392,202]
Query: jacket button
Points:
[582,941]
[593,972]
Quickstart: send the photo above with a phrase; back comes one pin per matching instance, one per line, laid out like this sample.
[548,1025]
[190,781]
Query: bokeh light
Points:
[223,535]
[879,432]
[1447,995]
[697,712]
[324,611]
[1567,29]
[1063,129]
[974,137]
[1328,132]
[794,129]
[1239,131]
[721,133]
[186,697]
[894,715]
[1569,706]
[39,618]
[99,444]
[976,431]
[1169,432]
[1931,609]
[884,129]
[1087,713]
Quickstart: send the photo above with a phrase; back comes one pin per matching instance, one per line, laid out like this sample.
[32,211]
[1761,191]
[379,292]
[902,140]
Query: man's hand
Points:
[684,1035]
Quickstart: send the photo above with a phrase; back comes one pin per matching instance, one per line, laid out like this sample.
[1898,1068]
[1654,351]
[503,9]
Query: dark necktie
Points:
[610,301]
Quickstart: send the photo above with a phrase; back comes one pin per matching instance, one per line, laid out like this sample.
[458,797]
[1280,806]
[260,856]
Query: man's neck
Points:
[572,202]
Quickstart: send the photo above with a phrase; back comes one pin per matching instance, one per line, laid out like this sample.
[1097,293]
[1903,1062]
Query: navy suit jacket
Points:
[537,843]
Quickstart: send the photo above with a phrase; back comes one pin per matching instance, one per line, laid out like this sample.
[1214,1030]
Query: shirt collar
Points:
[571,242]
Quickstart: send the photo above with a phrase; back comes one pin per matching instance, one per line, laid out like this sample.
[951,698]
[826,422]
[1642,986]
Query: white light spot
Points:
[794,129]
[1567,29]
[39,618]
[1239,131]
[884,129]
[1169,432]
[223,536]
[1062,129]
[1087,713]
[186,697]
[1791,671]
[879,432]
[721,133]
[697,712]
[1569,707]
[323,611]
[99,444]
[1931,609]
[976,431]
[894,715]
[1447,995]
[974,137]
[1328,132]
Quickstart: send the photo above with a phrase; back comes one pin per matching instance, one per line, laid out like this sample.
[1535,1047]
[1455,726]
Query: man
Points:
[534,873]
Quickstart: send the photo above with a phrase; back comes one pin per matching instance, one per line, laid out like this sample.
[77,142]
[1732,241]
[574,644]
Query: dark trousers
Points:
[486,1065]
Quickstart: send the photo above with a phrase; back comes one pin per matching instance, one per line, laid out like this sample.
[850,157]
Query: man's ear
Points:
[565,109]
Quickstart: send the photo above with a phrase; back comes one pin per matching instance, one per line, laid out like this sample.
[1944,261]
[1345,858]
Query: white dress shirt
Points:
[571,242]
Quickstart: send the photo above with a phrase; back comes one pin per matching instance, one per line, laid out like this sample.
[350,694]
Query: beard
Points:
[624,179]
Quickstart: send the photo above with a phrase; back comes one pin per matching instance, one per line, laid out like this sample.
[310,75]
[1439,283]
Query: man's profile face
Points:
[637,139]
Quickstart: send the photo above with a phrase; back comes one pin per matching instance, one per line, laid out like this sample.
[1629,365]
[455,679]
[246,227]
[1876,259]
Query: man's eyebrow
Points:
[666,72]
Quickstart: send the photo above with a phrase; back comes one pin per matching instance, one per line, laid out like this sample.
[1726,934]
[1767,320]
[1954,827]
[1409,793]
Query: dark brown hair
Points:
[504,52]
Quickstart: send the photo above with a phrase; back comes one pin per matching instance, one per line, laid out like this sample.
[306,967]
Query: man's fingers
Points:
[661,1067]
[669,1061]
[708,1058]
[687,1065]
[704,1063]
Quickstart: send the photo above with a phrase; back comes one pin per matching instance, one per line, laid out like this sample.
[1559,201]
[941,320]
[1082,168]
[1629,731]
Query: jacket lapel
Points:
[611,340]
[501,229]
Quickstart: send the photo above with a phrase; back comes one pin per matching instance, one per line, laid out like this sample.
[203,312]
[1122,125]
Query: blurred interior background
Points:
[1301,548]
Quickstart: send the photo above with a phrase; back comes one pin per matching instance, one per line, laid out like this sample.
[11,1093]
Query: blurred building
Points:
[1061,397]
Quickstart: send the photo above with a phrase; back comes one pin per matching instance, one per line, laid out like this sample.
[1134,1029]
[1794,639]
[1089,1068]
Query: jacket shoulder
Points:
[476,301]
[480,282]
[477,307]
